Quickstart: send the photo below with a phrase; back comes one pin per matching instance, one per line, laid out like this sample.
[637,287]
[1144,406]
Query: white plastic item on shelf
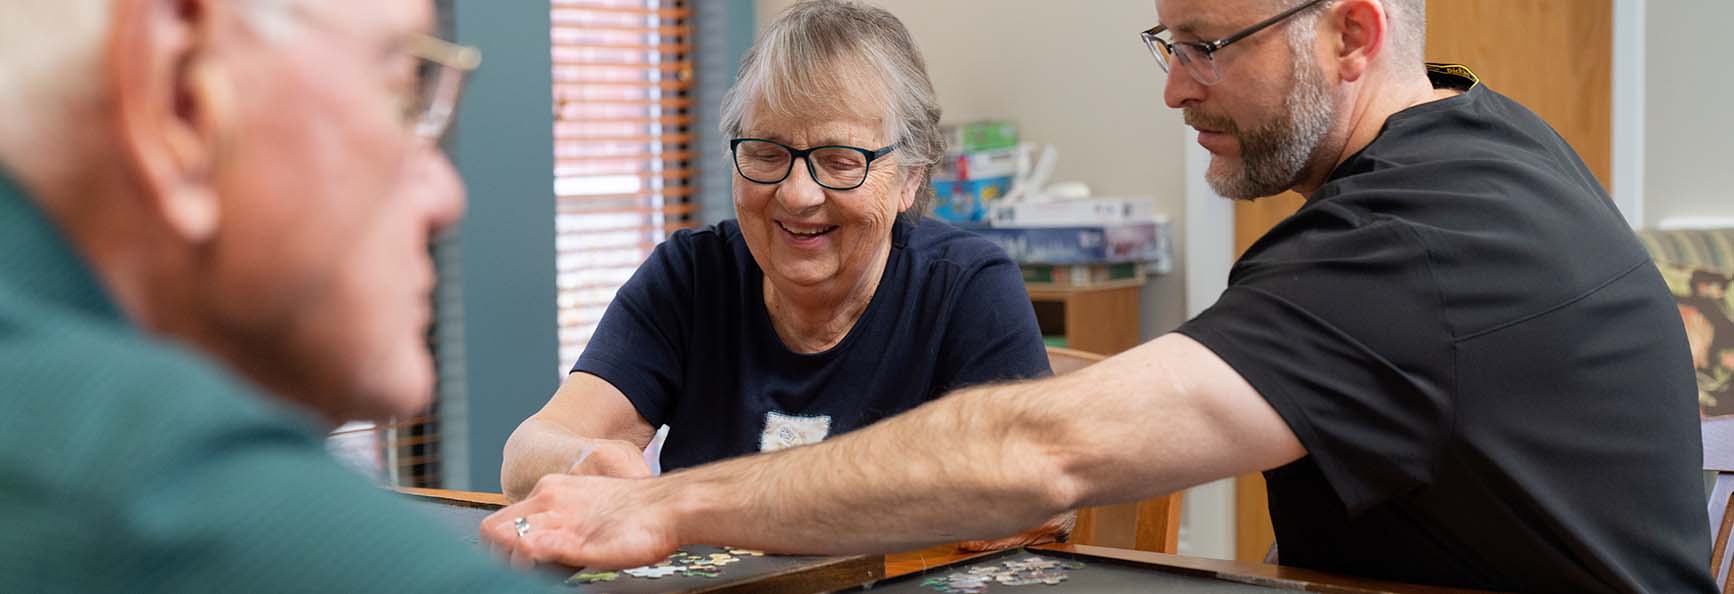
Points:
[1084,211]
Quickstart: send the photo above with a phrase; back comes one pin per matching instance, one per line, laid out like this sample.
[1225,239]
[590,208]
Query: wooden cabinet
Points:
[1102,319]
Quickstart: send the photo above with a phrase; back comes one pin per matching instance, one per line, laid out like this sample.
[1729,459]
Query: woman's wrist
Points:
[586,447]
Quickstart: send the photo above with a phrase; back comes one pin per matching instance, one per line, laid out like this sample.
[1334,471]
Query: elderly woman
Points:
[826,306]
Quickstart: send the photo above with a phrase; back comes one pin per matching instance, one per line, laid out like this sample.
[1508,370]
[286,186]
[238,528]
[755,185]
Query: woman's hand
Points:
[586,414]
[610,458]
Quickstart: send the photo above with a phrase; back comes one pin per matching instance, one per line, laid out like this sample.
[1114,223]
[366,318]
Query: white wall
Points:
[1074,75]
[1689,106]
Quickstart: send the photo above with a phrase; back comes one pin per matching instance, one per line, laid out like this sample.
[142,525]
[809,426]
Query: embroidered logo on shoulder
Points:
[787,431]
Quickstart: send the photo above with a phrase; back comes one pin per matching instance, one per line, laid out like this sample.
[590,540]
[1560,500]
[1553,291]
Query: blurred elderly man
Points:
[1455,363]
[203,203]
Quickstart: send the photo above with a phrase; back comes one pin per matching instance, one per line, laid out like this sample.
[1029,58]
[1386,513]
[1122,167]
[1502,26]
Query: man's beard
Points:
[1273,156]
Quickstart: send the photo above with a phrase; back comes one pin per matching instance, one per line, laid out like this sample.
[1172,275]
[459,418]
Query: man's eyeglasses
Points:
[835,167]
[1197,57]
[441,69]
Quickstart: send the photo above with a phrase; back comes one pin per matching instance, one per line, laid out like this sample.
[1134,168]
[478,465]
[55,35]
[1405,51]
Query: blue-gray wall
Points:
[498,347]
[496,336]
[726,29]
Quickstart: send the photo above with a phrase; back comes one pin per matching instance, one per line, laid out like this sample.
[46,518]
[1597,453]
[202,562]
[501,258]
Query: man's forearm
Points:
[976,464]
[993,460]
[981,463]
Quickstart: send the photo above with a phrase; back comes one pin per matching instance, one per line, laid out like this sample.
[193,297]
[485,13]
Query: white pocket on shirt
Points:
[787,431]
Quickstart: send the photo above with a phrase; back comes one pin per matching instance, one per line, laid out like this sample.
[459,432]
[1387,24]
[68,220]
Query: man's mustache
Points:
[1204,121]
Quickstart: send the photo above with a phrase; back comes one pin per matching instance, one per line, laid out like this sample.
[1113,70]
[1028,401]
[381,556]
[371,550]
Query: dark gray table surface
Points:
[1098,576]
[465,521]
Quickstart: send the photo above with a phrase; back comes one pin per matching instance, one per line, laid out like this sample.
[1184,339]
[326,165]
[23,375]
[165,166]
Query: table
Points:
[1119,570]
[769,574]
[1107,569]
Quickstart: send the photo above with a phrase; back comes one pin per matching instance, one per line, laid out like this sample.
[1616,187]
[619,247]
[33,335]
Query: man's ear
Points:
[1361,29]
[171,103]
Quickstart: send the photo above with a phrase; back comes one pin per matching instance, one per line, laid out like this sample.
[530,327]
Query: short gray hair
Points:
[797,57]
[1409,19]
[1408,31]
[51,61]
[50,58]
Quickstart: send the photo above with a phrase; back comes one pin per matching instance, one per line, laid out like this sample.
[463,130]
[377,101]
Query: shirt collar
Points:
[38,264]
[1452,76]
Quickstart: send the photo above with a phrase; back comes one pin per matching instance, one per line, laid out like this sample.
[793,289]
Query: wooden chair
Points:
[1149,525]
[1719,458]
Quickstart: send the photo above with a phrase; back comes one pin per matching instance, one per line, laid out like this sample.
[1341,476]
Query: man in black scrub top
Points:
[1455,364]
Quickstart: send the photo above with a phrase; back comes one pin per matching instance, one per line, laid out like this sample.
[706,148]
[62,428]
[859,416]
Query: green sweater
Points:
[131,464]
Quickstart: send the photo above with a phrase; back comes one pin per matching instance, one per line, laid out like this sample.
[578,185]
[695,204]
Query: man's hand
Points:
[1055,529]
[611,458]
[581,521]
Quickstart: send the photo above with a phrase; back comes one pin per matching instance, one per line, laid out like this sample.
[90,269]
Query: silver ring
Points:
[522,524]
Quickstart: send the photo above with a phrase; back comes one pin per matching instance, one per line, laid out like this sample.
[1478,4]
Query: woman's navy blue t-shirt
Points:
[690,344]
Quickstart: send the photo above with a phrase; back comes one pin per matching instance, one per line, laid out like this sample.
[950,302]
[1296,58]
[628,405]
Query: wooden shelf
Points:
[1053,292]
[1102,319]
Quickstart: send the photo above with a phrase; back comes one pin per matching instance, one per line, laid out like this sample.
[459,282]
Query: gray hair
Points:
[51,61]
[1409,19]
[1408,30]
[800,56]
[50,58]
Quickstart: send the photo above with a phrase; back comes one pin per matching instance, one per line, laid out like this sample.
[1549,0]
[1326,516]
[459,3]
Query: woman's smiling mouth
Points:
[806,231]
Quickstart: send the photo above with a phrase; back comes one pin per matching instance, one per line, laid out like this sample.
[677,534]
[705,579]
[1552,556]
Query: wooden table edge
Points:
[793,580]
[465,498]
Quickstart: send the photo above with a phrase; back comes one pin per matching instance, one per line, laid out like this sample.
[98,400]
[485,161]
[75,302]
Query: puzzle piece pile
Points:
[1028,571]
[682,563]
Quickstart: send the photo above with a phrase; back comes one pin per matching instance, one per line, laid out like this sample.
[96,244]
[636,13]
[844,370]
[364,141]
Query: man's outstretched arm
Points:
[979,463]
